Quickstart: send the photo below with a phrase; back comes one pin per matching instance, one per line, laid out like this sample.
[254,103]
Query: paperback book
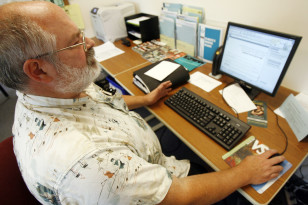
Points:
[258,117]
[252,146]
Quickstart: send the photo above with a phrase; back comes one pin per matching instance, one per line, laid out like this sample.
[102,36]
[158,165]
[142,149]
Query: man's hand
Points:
[138,101]
[161,91]
[261,168]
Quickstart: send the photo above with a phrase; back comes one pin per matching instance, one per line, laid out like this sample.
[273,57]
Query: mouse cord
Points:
[222,93]
[285,135]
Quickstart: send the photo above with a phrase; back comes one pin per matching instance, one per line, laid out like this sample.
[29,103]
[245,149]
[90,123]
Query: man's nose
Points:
[90,43]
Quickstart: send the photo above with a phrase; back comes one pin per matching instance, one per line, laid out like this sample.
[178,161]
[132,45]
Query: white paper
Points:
[296,116]
[203,81]
[236,98]
[136,21]
[301,98]
[106,51]
[162,70]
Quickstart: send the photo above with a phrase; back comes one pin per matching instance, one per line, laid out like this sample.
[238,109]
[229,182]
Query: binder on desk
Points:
[146,83]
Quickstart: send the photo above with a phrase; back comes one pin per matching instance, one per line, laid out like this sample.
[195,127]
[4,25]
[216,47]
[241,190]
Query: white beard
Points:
[75,80]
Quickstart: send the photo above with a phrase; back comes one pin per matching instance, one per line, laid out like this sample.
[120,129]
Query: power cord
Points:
[277,121]
[285,135]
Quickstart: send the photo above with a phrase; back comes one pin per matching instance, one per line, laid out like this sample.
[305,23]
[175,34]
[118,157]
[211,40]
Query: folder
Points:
[146,83]
[167,31]
[186,36]
[209,39]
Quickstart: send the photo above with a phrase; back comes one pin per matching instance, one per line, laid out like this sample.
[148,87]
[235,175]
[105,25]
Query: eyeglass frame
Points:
[69,47]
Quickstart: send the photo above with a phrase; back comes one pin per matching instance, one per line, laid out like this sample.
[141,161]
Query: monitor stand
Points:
[251,92]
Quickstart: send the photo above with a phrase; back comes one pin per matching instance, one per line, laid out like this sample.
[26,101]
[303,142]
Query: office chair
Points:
[3,91]
[13,189]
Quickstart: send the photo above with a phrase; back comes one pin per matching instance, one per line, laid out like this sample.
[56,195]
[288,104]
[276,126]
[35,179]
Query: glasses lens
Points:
[84,42]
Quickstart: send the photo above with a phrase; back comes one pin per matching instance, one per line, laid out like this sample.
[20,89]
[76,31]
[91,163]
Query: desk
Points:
[122,62]
[210,151]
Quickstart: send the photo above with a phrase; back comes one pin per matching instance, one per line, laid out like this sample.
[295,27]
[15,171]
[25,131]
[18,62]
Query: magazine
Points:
[252,146]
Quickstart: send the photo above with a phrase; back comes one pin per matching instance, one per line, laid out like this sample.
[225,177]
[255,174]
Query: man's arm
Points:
[138,101]
[213,187]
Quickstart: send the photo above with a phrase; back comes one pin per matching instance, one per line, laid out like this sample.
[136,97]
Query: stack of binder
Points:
[146,83]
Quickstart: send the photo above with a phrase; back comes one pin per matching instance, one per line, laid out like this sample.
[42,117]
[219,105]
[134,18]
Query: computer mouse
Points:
[276,155]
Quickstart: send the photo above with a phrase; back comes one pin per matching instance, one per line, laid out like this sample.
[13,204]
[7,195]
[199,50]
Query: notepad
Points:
[162,70]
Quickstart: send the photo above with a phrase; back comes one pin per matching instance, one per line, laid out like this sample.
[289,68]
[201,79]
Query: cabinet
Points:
[145,30]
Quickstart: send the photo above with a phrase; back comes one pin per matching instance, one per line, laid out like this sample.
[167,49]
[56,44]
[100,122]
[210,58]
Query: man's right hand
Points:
[261,168]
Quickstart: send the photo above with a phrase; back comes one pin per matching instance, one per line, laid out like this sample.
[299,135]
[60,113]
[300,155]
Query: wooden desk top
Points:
[118,64]
[209,150]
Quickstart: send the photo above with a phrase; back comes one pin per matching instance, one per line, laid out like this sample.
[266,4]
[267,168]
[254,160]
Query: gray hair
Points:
[22,39]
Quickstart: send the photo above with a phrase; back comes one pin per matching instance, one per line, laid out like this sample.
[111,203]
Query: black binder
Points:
[147,83]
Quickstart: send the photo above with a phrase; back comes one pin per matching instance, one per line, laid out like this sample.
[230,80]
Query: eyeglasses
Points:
[69,47]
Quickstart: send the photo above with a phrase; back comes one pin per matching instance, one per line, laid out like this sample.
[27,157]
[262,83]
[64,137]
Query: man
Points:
[76,144]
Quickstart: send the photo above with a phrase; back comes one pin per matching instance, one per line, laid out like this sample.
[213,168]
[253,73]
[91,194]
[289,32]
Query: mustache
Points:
[90,56]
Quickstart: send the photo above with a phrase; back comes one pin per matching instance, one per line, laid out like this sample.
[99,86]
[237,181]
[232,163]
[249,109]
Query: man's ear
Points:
[33,68]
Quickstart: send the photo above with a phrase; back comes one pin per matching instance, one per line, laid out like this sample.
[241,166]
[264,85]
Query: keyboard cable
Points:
[277,119]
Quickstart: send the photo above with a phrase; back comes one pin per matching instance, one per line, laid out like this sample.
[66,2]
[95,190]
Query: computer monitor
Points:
[257,58]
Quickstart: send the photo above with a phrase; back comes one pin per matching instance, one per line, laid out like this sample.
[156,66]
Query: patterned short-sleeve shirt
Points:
[90,150]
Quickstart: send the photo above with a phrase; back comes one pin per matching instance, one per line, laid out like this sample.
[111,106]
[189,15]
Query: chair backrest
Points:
[13,189]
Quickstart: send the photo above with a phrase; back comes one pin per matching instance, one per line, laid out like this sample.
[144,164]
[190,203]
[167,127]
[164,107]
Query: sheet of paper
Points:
[301,98]
[203,81]
[136,21]
[236,97]
[162,70]
[296,116]
[106,51]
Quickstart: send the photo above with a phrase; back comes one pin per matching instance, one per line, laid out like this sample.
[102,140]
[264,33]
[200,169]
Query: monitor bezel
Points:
[285,68]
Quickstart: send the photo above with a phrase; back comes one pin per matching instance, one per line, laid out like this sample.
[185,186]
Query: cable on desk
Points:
[222,93]
[285,135]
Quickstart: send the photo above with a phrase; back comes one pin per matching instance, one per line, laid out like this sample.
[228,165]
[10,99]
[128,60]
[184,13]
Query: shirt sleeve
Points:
[114,177]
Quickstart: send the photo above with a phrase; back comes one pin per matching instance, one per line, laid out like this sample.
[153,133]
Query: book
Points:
[258,117]
[252,146]
[209,40]
[146,83]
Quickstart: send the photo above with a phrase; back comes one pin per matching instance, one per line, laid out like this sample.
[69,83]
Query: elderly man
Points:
[74,143]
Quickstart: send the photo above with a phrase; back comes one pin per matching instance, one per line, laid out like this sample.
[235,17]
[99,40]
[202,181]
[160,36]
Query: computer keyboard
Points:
[216,123]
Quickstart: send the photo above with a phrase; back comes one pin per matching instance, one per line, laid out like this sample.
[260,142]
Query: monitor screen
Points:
[257,58]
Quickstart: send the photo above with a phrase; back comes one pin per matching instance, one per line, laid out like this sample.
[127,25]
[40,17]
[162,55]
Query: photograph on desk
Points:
[252,146]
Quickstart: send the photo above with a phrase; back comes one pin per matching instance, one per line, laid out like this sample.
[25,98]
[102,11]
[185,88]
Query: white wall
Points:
[280,15]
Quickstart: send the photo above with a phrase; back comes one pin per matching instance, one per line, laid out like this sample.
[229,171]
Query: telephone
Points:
[217,61]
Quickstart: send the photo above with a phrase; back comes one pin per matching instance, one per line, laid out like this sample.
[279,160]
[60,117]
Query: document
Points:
[167,31]
[162,70]
[174,7]
[186,34]
[106,51]
[301,98]
[296,116]
[203,81]
[237,99]
[193,11]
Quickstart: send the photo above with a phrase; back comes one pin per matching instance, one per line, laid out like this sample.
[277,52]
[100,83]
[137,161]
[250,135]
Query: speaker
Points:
[217,61]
